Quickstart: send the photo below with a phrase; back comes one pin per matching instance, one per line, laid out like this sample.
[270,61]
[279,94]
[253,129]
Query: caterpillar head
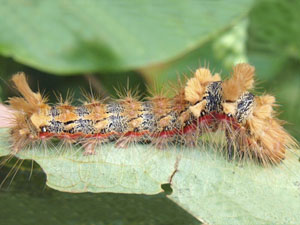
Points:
[24,109]
[41,119]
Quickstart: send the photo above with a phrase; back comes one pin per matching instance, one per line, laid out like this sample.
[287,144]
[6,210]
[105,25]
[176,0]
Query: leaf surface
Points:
[204,183]
[66,37]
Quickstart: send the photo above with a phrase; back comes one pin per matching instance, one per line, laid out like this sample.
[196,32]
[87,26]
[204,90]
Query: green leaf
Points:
[33,202]
[273,48]
[219,54]
[219,192]
[135,170]
[204,183]
[274,29]
[79,36]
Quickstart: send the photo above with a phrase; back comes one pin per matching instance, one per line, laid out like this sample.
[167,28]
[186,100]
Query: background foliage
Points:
[65,46]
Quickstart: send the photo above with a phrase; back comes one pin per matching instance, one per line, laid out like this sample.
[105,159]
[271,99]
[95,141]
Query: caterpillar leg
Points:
[89,147]
[90,144]
[125,141]
[237,146]
[191,139]
[162,143]
[231,146]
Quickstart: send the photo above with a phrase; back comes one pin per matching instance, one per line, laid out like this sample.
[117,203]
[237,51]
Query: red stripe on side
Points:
[74,136]
[207,119]
[165,134]
[135,134]
[231,120]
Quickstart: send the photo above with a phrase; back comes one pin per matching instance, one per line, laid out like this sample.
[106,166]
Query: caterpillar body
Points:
[204,104]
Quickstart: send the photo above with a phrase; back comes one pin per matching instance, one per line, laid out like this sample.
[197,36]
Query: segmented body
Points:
[159,118]
[107,121]
[206,104]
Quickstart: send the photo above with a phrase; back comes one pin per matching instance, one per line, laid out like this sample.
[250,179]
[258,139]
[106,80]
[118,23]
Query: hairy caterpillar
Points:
[205,104]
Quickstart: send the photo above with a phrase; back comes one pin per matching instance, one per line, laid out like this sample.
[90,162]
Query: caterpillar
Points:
[205,104]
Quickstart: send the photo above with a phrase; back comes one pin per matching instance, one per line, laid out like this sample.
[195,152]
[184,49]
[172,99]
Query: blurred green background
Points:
[74,45]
